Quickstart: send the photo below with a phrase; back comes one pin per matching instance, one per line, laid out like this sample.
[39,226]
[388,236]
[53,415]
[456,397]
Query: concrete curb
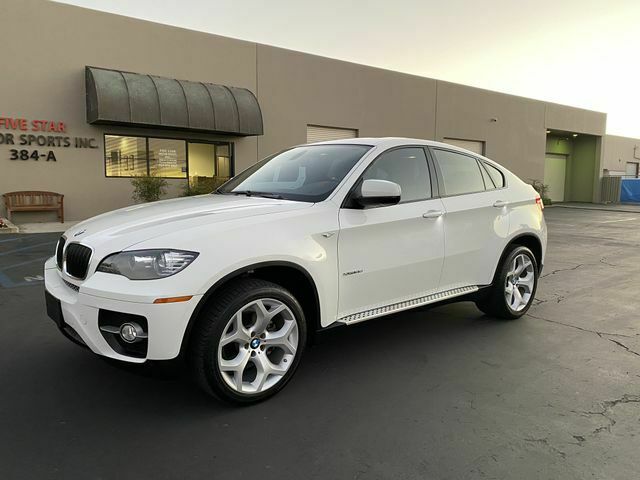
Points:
[602,208]
[9,227]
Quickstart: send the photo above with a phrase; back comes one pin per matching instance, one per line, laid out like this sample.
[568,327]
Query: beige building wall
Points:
[618,151]
[297,89]
[511,127]
[577,120]
[44,79]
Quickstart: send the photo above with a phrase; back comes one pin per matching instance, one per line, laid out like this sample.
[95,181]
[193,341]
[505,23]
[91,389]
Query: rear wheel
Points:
[514,286]
[247,345]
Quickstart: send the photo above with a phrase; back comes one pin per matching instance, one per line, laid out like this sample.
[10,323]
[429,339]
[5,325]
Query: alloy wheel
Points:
[258,346]
[519,283]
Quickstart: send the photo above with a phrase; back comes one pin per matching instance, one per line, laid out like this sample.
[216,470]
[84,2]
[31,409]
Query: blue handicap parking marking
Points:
[5,281]
[22,259]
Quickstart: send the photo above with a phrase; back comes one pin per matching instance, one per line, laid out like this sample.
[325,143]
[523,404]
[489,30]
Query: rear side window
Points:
[460,173]
[405,166]
[488,181]
[496,175]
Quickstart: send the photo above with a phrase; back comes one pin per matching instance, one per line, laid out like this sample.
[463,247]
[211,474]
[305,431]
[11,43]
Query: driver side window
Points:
[408,168]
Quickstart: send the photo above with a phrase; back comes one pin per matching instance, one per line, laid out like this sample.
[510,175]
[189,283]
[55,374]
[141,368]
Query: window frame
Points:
[232,160]
[479,163]
[265,160]
[485,175]
[504,177]
[348,202]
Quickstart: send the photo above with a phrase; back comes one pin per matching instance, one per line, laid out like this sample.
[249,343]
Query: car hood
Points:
[128,226]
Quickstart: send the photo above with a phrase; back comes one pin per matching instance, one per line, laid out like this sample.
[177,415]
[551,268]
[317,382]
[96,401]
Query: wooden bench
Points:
[34,202]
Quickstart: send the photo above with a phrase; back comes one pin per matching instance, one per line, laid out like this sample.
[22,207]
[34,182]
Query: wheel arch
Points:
[527,239]
[289,275]
[532,242]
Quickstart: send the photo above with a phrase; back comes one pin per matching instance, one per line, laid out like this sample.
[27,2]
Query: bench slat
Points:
[34,201]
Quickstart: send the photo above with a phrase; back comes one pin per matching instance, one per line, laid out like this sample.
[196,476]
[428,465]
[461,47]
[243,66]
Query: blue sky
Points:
[576,52]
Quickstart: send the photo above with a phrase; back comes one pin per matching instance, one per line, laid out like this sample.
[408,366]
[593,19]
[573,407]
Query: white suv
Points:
[339,232]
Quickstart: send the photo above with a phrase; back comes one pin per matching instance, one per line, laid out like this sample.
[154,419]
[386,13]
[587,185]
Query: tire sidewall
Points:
[211,369]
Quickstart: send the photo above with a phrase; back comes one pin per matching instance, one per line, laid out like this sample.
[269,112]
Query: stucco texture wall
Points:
[618,151]
[511,127]
[44,79]
[296,89]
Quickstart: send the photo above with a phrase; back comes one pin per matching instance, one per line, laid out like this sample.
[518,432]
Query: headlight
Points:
[147,264]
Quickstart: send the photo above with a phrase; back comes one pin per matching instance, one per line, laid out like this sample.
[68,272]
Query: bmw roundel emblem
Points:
[255,343]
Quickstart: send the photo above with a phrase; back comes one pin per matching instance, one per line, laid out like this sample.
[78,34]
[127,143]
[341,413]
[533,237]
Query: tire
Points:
[249,363]
[497,302]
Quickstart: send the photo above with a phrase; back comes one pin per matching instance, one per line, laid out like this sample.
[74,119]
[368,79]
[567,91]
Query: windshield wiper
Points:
[250,193]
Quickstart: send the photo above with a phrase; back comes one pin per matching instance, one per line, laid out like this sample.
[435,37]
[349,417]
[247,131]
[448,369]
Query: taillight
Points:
[540,203]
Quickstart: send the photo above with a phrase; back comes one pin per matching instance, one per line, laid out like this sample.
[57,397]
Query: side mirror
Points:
[377,193]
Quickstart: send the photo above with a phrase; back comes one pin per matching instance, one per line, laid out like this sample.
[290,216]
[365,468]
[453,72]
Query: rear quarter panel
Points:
[525,216]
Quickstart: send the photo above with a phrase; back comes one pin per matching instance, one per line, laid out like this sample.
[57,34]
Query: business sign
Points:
[29,139]
[167,158]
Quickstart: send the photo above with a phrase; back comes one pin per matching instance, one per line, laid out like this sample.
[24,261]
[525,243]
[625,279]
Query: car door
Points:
[394,253]
[476,221]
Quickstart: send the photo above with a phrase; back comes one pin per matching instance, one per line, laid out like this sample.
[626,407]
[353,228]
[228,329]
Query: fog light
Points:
[130,332]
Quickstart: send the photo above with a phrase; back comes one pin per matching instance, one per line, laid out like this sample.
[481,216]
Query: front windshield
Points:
[308,173]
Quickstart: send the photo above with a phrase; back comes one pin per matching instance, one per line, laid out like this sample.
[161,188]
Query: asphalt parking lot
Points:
[436,393]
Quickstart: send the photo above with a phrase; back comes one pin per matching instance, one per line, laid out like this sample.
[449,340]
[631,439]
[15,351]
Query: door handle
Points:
[433,214]
[500,203]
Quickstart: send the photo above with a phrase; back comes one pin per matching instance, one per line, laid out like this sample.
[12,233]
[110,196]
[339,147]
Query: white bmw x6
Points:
[339,232]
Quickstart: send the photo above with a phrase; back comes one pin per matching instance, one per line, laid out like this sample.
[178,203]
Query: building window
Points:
[209,165]
[125,156]
[167,158]
[206,165]
[317,133]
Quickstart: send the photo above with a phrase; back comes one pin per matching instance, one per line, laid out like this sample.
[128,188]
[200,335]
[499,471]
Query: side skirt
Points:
[406,305]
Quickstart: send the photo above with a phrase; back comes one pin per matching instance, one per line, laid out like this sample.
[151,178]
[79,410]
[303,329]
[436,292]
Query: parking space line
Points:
[23,263]
[12,239]
[620,220]
[24,248]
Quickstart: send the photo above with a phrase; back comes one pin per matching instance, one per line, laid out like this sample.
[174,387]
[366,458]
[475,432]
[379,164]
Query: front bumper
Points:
[167,323]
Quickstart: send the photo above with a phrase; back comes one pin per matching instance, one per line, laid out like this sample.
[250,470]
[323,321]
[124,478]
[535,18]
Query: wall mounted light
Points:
[575,135]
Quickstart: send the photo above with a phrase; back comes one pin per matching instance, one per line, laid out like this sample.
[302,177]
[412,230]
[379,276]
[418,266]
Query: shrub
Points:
[542,190]
[189,190]
[148,188]
[202,185]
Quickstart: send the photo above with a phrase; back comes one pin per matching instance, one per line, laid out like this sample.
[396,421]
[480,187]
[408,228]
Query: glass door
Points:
[209,166]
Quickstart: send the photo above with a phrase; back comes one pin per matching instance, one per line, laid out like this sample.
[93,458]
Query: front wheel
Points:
[248,343]
[514,286]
